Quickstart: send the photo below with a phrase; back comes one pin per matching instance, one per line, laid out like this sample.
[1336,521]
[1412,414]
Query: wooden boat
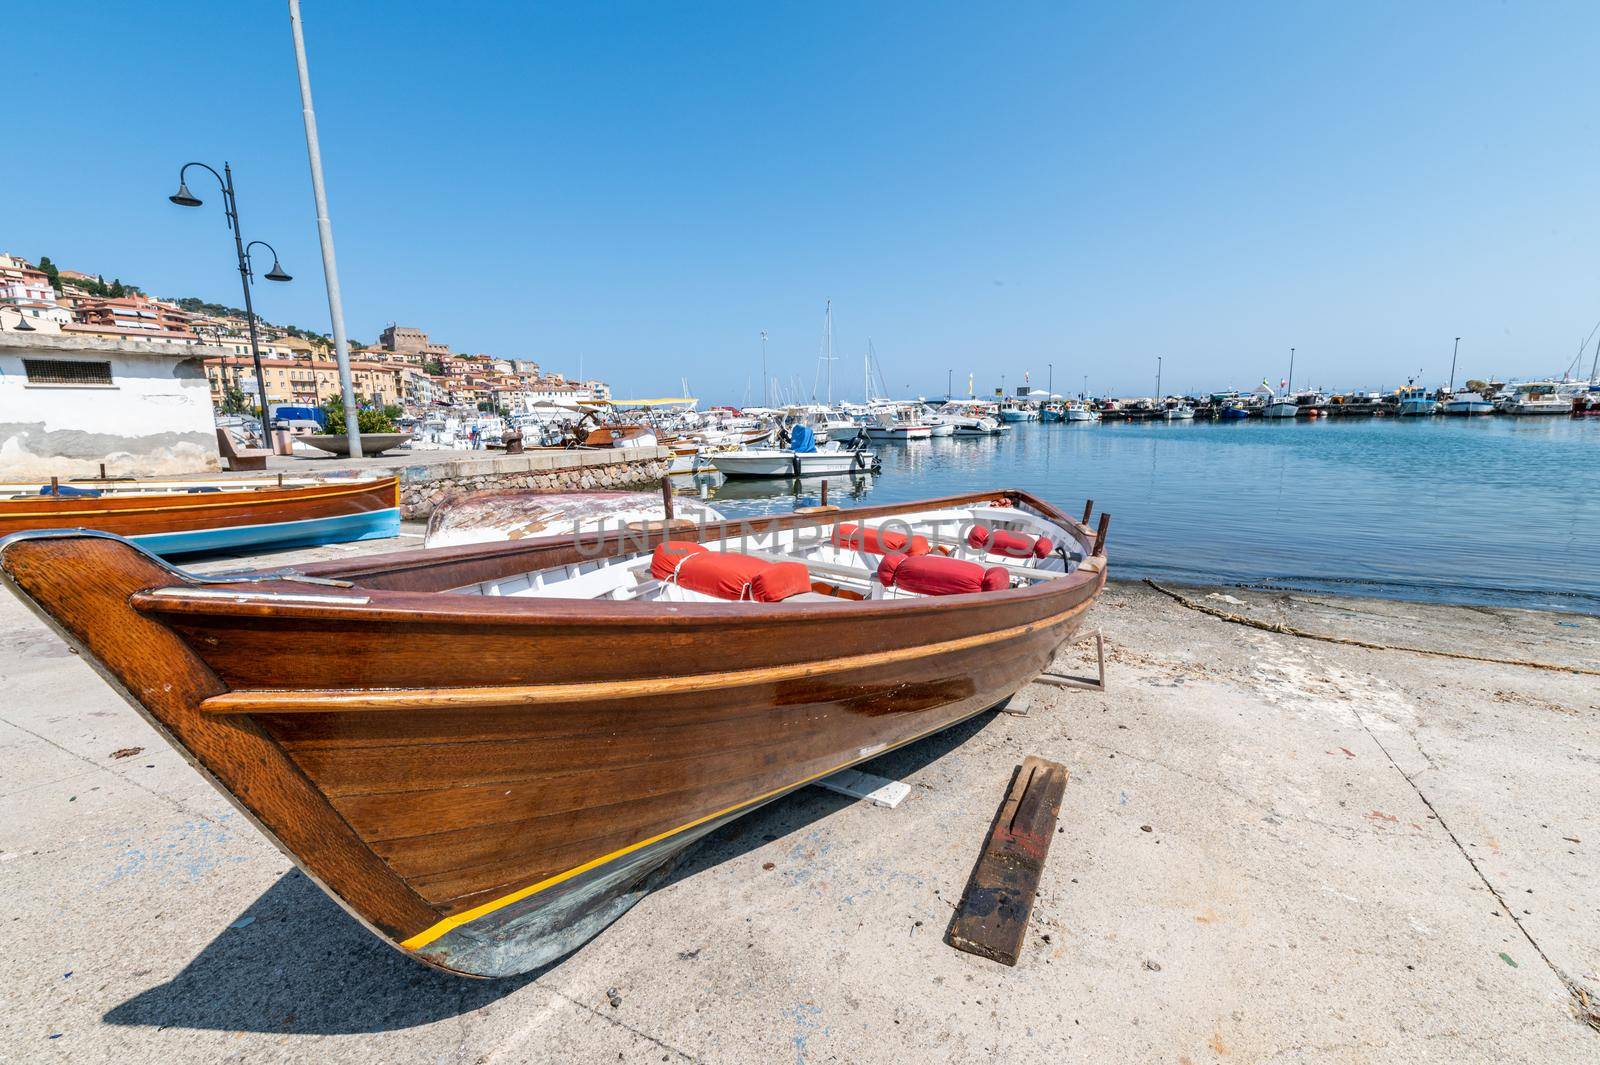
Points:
[487,753]
[178,517]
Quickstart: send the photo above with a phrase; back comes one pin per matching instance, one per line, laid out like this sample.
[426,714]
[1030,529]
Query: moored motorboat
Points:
[782,462]
[181,517]
[1465,403]
[487,753]
[1412,402]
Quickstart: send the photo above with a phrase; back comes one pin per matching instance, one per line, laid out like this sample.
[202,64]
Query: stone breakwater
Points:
[424,487]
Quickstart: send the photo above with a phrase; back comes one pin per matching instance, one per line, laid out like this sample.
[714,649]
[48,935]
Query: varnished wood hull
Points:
[486,782]
[181,521]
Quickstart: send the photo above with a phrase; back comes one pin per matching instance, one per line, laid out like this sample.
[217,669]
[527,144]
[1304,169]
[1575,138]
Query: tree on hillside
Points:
[50,270]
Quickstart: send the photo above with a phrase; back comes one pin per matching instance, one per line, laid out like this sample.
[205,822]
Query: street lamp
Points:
[230,209]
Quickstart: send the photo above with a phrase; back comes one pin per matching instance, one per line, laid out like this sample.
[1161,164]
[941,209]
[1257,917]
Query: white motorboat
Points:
[1019,414]
[1181,413]
[841,428]
[1464,402]
[971,424]
[896,427]
[1536,397]
[777,462]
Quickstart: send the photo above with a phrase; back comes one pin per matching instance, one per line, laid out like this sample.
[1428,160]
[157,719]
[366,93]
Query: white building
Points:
[68,404]
[26,293]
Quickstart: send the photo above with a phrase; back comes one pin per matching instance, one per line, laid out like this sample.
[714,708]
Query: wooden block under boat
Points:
[992,920]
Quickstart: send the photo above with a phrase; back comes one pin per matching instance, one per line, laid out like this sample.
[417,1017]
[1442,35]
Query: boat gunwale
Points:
[452,607]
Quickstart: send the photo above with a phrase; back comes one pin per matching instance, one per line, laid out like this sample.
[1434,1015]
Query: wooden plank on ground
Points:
[992,919]
[878,790]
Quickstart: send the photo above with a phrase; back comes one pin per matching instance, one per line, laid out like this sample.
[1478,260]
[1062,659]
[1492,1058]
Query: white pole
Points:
[330,267]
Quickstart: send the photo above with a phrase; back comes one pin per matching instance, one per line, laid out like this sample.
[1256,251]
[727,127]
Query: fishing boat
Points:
[1413,401]
[1018,413]
[487,753]
[182,517]
[1081,411]
[1285,407]
[1466,402]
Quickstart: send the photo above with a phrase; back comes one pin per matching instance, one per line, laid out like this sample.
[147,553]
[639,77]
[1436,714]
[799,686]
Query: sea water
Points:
[1490,510]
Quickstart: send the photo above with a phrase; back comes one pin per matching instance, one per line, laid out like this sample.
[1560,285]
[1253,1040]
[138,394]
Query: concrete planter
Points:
[371,443]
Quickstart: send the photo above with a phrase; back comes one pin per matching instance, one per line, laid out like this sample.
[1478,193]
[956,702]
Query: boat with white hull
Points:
[777,462]
[1465,403]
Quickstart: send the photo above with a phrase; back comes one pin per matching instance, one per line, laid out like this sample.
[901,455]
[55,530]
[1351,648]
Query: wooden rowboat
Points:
[178,517]
[487,753]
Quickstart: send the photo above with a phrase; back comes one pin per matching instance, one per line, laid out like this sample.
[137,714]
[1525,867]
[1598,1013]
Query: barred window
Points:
[66,372]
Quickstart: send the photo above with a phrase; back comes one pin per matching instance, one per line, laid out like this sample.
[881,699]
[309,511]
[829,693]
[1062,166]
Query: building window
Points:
[66,372]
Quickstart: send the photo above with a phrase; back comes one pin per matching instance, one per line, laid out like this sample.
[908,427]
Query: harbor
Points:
[1333,826]
[801,535]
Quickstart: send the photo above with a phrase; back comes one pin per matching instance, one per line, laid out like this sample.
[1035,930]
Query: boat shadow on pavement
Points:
[295,963]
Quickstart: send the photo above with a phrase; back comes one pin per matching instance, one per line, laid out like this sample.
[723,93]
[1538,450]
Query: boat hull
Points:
[776,463]
[486,781]
[183,522]
[898,432]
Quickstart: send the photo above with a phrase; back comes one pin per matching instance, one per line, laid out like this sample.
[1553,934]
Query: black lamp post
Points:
[230,208]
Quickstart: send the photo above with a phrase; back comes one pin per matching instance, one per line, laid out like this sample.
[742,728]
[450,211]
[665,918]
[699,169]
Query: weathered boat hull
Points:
[486,782]
[177,521]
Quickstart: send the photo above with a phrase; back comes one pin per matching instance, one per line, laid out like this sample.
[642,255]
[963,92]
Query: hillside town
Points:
[403,368]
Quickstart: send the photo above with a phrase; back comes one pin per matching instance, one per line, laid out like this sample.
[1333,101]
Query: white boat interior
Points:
[957,550]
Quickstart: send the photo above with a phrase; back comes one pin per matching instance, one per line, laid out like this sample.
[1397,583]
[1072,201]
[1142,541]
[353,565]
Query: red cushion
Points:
[779,581]
[721,574]
[1008,544]
[887,567]
[937,575]
[664,563]
[878,541]
[728,575]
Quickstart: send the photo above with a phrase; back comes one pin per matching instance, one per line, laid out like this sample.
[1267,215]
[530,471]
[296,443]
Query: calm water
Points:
[1489,510]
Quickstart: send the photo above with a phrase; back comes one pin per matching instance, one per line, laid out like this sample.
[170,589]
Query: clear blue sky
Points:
[983,190]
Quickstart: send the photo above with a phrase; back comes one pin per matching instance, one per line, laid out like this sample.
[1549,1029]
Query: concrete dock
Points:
[1272,849]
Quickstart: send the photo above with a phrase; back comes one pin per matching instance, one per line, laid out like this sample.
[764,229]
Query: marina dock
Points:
[1272,848]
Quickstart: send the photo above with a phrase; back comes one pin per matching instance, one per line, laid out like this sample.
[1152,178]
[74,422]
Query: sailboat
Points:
[1285,407]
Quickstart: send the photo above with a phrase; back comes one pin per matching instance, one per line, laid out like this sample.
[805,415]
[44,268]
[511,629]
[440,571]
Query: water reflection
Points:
[1485,510]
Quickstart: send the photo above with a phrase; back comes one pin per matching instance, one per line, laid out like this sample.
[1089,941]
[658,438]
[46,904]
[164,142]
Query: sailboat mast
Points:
[1453,352]
[1290,391]
[830,352]
[1158,378]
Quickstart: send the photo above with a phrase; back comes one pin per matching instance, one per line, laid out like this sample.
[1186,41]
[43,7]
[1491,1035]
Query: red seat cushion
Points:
[878,541]
[937,575]
[664,563]
[779,581]
[726,574]
[1009,544]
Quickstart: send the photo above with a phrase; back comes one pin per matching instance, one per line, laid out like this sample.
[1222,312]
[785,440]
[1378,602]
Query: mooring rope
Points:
[1290,630]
